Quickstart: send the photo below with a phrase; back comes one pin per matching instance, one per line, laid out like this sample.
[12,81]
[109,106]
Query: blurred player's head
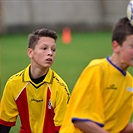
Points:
[121,30]
[122,43]
[35,36]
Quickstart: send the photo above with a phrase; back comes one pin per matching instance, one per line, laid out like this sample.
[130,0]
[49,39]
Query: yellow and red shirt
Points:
[41,106]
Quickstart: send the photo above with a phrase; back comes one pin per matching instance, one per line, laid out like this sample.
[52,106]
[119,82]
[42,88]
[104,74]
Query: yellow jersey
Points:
[103,94]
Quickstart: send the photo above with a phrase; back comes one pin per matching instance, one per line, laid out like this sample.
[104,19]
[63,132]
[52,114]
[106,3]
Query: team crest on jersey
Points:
[49,105]
[130,89]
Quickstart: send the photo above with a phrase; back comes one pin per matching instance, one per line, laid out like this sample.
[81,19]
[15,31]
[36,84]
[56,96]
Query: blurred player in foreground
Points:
[102,99]
[37,94]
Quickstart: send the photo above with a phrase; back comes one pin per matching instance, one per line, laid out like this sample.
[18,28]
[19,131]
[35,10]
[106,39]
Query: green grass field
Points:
[70,60]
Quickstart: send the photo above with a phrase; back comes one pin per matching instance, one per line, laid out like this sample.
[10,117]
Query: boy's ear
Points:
[115,46]
[30,52]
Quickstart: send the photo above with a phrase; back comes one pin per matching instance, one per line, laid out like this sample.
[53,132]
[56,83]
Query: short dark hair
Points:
[35,36]
[121,30]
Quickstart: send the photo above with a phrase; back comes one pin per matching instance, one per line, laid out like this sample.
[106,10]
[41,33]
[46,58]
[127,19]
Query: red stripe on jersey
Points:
[49,126]
[22,105]
[57,128]
[5,123]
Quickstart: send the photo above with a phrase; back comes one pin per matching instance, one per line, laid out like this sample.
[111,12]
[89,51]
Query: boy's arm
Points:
[128,128]
[4,129]
[89,127]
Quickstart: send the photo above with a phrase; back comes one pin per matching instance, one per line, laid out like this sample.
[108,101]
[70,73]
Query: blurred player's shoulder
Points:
[95,62]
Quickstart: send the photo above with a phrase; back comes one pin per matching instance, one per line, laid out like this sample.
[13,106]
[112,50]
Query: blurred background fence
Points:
[80,15]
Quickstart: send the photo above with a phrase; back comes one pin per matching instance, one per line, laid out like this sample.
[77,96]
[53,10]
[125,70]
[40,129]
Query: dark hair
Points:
[121,30]
[35,36]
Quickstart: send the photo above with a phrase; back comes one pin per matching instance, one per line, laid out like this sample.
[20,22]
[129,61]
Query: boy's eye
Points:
[54,50]
[44,48]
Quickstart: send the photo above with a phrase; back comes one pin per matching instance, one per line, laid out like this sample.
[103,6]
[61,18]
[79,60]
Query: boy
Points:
[37,94]
[102,99]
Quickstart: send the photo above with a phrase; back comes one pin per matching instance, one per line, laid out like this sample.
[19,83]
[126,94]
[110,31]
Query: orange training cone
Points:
[66,35]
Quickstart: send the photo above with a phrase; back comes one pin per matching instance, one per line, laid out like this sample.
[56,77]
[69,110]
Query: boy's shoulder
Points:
[16,76]
[58,78]
[97,61]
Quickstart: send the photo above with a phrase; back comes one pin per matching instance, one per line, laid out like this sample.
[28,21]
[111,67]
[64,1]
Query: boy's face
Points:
[126,51]
[44,52]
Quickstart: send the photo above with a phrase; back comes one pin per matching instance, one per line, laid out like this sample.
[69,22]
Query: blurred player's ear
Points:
[115,46]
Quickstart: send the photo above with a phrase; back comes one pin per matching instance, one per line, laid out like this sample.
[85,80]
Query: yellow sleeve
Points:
[8,111]
[60,97]
[87,96]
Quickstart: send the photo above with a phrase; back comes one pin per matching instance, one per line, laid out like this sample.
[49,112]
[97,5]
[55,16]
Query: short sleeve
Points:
[8,111]
[87,96]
